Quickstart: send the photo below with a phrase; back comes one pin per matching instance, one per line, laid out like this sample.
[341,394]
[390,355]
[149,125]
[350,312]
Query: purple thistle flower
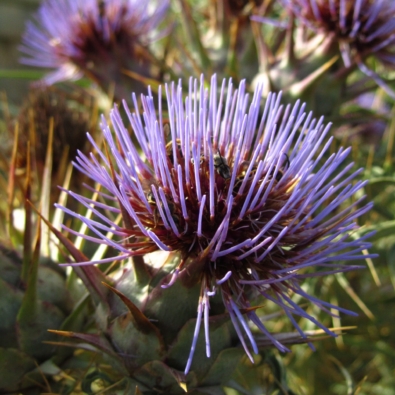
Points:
[91,37]
[362,28]
[239,194]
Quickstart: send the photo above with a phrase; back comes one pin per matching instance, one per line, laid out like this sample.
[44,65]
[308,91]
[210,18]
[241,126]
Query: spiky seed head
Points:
[244,232]
[71,119]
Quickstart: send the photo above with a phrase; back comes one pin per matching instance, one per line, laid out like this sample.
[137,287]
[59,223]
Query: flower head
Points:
[77,37]
[362,28]
[238,193]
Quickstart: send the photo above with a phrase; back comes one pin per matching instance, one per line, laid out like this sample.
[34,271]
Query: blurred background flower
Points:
[97,39]
[359,28]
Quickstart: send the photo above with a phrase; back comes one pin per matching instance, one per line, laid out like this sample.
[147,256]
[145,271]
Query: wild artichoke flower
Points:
[362,28]
[91,37]
[238,193]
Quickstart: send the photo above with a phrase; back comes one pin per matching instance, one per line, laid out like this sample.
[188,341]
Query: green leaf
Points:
[383,229]
[14,364]
[134,336]
[171,311]
[33,329]
[221,337]
[22,73]
[52,288]
[141,322]
[223,366]
[135,347]
[10,266]
[29,309]
[10,302]
[164,379]
[382,180]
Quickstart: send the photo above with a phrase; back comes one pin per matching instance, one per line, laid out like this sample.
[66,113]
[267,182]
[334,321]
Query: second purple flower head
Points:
[97,38]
